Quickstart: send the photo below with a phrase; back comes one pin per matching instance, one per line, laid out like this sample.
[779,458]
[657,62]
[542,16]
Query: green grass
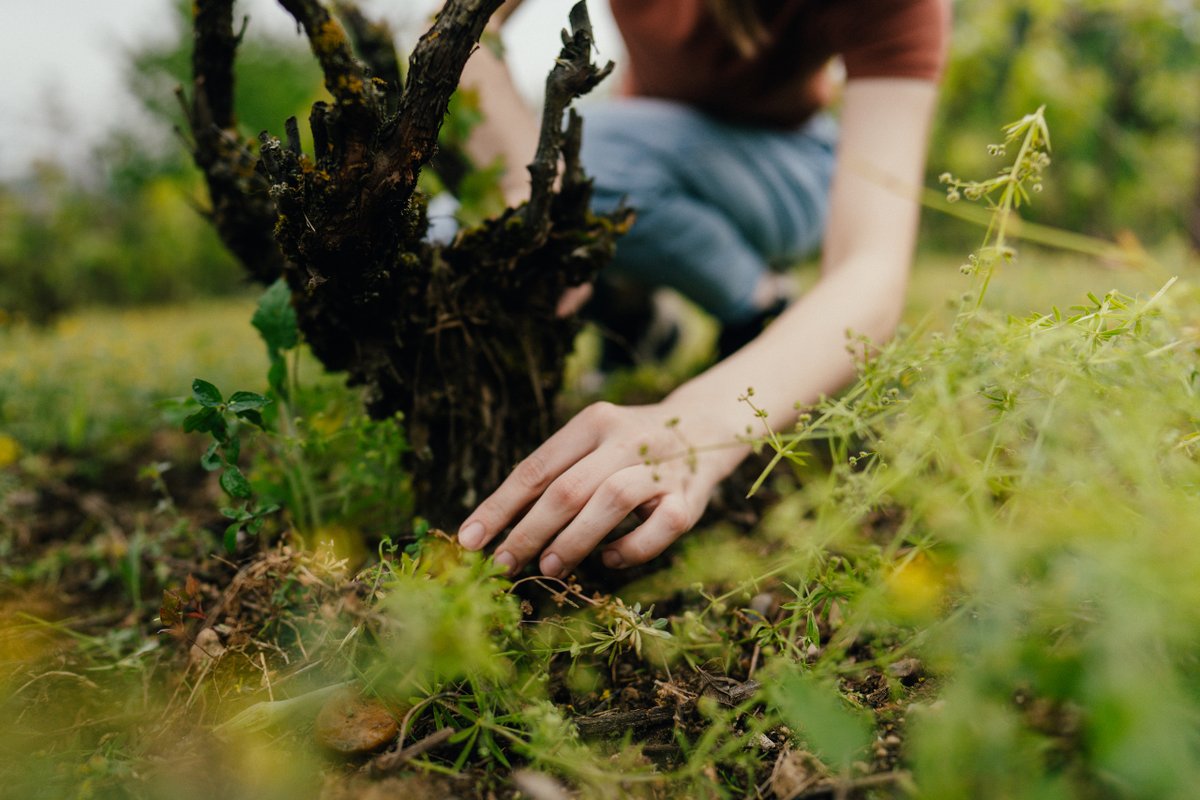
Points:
[94,377]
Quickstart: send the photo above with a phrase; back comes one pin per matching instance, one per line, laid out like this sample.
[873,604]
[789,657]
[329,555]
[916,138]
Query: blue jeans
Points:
[717,203]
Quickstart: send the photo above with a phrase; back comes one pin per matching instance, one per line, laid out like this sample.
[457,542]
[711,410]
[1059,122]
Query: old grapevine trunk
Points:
[463,338]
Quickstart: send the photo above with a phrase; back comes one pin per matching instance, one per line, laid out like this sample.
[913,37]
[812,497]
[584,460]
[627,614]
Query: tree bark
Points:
[461,339]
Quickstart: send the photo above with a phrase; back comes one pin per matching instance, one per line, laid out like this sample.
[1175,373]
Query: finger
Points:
[559,504]
[644,511]
[623,493]
[531,477]
[668,522]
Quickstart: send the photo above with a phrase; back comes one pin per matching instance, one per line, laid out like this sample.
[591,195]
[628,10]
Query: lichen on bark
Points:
[461,338]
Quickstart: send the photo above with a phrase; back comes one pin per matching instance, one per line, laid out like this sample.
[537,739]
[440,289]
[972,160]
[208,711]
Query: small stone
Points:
[206,647]
[539,786]
[351,724]
[764,604]
[836,616]
[794,773]
[908,670]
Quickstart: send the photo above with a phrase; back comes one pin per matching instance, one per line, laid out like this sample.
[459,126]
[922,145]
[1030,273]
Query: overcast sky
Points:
[61,69]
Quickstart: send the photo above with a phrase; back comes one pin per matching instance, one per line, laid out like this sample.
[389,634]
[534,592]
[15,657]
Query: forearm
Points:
[800,357]
[509,129]
[609,461]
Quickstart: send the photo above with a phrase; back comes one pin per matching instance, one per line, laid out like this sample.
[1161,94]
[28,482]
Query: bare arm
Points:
[591,474]
[509,130]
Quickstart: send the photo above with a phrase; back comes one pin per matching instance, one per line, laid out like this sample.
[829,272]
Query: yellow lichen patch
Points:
[349,84]
[329,38]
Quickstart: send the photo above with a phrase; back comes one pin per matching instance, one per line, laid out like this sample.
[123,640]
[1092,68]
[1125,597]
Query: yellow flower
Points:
[10,450]
[915,587]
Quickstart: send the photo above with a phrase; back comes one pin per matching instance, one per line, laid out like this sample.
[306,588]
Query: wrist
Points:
[712,433]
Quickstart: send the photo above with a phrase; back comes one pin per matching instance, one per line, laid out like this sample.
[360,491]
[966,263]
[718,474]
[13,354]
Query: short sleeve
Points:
[899,39]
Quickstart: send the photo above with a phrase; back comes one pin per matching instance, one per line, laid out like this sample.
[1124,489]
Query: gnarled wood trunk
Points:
[462,338]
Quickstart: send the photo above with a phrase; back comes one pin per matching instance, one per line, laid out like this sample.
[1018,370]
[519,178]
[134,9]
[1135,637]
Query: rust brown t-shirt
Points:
[677,51]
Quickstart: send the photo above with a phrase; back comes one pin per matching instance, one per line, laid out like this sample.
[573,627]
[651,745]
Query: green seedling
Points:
[224,419]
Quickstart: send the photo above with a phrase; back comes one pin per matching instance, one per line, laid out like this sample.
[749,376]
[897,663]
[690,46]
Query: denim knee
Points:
[716,202]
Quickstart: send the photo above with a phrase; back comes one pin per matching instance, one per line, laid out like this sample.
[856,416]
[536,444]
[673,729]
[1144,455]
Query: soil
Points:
[70,524]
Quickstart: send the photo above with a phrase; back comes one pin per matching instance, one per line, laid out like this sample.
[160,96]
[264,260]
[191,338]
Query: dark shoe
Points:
[632,331]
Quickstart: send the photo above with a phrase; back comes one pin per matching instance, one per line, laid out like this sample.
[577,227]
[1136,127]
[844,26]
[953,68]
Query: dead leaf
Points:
[170,613]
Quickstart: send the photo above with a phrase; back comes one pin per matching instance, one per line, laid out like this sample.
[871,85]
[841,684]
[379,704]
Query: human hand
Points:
[607,462]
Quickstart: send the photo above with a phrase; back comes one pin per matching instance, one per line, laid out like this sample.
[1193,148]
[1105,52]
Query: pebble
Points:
[351,724]
[207,646]
[763,603]
[906,669]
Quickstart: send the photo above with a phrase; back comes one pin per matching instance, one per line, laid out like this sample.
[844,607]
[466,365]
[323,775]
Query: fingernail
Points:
[507,561]
[552,565]
[471,535]
[612,559]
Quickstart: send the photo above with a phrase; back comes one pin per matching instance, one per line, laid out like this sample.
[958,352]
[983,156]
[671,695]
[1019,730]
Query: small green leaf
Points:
[205,393]
[202,421]
[277,375]
[219,427]
[234,483]
[246,401]
[275,318]
[253,417]
[211,460]
[231,537]
[836,733]
[233,450]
